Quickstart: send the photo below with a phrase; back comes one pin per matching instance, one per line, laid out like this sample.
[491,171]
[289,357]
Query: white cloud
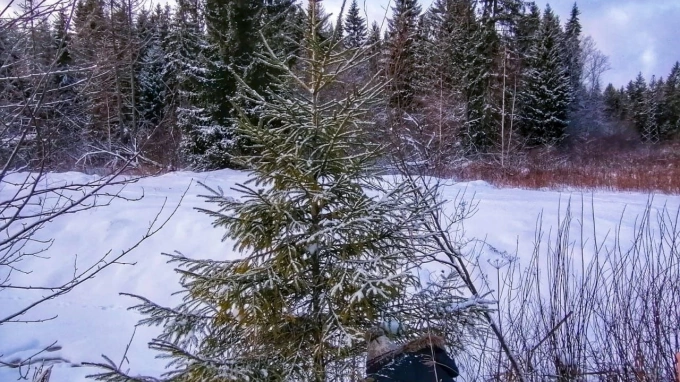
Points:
[638,36]
[648,59]
[618,16]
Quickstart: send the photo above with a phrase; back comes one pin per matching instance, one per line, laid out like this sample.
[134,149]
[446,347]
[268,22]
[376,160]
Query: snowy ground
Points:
[94,319]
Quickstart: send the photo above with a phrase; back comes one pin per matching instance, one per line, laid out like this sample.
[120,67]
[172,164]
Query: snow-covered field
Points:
[94,320]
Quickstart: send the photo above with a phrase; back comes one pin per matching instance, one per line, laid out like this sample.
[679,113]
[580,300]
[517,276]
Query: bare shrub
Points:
[603,309]
[32,199]
[582,307]
[599,164]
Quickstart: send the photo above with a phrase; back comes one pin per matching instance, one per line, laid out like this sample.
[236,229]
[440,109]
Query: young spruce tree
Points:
[326,246]
[401,62]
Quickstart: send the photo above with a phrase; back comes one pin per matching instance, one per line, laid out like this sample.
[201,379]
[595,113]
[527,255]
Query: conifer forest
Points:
[466,80]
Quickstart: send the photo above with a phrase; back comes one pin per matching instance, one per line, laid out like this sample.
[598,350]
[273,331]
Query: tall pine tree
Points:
[65,107]
[152,87]
[355,27]
[478,49]
[459,57]
[439,81]
[528,27]
[613,103]
[400,45]
[671,103]
[90,52]
[641,109]
[573,51]
[375,45]
[546,92]
[233,28]
[62,40]
[204,143]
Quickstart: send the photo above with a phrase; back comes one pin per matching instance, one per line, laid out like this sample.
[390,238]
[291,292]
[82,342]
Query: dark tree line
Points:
[652,109]
[126,82]
[464,78]
[471,78]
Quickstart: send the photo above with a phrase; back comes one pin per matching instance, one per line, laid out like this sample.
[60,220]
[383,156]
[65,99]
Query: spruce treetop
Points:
[355,27]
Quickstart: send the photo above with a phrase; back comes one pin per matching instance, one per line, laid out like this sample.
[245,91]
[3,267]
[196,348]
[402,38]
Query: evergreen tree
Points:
[355,27]
[572,51]
[150,79]
[322,28]
[651,130]
[144,25]
[375,45]
[38,101]
[123,47]
[481,43]
[615,107]
[281,28]
[640,113]
[157,89]
[438,49]
[204,143]
[98,46]
[232,27]
[12,92]
[7,59]
[337,28]
[440,44]
[233,31]
[462,54]
[327,245]
[501,14]
[422,40]
[671,103]
[438,85]
[401,52]
[527,31]
[546,92]
[62,40]
[522,46]
[90,26]
[625,101]
[593,114]
[628,95]
[613,102]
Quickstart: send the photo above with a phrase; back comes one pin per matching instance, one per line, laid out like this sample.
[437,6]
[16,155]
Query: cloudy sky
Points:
[637,35]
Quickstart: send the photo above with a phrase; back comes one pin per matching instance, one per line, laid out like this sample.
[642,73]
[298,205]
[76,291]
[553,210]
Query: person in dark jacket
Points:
[421,360]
